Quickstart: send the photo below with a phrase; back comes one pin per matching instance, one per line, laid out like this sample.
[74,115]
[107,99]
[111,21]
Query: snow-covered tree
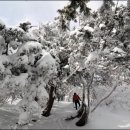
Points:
[44,62]
[25,72]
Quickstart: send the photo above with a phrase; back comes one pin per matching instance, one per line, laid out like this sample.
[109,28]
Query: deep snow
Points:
[101,118]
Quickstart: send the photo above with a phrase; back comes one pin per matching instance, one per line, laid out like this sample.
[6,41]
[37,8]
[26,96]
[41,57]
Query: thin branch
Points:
[104,99]
[71,74]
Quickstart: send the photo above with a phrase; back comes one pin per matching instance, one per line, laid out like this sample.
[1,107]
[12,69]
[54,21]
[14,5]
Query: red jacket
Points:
[76,97]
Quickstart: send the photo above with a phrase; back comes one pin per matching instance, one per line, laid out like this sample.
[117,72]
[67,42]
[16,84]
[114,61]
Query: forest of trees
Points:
[39,64]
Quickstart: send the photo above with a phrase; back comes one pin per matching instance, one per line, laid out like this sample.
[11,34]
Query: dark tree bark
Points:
[83,113]
[50,102]
[84,117]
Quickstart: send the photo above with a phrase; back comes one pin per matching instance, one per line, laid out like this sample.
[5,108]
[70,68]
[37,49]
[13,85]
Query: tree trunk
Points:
[83,93]
[84,117]
[88,95]
[84,111]
[50,102]
[80,112]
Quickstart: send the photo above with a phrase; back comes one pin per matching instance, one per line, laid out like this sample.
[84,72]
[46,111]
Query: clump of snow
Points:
[35,109]
[73,32]
[102,41]
[14,44]
[33,33]
[92,57]
[114,30]
[11,51]
[24,118]
[66,66]
[28,107]
[106,51]
[90,29]
[14,102]
[29,46]
[101,25]
[12,86]
[19,29]
[42,95]
[21,79]
[118,50]
[47,64]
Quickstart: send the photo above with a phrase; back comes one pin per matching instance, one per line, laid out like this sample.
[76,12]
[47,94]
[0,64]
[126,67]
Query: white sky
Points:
[14,12]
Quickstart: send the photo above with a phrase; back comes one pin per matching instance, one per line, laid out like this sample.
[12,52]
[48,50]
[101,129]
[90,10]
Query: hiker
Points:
[76,100]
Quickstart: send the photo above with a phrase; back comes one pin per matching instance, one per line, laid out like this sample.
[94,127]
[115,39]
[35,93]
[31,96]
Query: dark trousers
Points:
[77,102]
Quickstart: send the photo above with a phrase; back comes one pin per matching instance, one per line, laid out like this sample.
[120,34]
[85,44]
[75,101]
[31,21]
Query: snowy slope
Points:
[102,118]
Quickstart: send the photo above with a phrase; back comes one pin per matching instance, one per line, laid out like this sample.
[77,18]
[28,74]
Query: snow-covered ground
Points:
[101,118]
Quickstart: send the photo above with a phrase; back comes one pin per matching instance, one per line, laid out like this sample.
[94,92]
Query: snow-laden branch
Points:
[71,74]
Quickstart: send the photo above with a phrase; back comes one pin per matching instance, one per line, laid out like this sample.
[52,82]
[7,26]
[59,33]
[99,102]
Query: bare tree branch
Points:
[71,74]
[104,99]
